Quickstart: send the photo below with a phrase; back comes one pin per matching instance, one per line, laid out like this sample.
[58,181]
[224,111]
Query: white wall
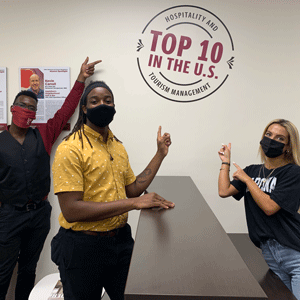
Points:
[263,85]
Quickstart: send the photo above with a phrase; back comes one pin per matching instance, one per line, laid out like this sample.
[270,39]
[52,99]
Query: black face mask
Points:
[101,115]
[271,147]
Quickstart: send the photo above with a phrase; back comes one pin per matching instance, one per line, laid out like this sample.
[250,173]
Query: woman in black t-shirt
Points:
[272,198]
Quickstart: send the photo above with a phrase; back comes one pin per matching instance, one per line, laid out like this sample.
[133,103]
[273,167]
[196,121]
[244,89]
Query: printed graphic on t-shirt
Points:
[267,185]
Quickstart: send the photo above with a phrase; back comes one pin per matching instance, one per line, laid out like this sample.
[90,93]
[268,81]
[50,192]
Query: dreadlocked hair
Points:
[79,128]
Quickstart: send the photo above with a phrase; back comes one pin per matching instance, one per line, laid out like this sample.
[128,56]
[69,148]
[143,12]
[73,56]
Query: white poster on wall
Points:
[3,99]
[50,84]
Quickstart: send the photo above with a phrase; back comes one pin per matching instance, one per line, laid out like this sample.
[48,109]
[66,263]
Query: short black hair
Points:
[26,93]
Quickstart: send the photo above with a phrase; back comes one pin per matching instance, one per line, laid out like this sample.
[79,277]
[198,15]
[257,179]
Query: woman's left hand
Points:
[239,174]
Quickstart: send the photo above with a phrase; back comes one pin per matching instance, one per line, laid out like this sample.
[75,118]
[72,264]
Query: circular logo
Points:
[185,53]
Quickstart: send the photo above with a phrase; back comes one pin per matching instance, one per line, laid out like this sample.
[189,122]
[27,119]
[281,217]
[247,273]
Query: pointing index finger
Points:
[229,146]
[159,132]
[236,165]
[95,62]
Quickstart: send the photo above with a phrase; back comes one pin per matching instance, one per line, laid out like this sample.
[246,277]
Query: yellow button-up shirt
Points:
[101,172]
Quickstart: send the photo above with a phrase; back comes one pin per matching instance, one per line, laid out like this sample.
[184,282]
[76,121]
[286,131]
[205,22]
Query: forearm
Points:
[54,126]
[86,211]
[224,181]
[144,179]
[266,204]
[74,209]
[72,100]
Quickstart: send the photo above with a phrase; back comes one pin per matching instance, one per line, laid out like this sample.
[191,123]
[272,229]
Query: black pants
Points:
[89,263]
[22,237]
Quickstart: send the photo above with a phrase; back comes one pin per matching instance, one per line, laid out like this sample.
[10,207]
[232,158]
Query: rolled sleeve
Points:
[130,177]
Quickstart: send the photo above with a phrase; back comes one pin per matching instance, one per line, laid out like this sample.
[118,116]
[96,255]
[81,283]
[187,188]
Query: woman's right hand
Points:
[224,153]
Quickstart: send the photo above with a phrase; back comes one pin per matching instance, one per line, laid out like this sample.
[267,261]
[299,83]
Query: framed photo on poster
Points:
[50,84]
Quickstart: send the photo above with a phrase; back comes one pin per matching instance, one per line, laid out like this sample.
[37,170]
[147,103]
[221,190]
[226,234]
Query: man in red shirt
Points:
[25,183]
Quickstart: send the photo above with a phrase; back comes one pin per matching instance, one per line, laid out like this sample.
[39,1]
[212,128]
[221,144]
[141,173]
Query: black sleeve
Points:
[287,191]
[240,186]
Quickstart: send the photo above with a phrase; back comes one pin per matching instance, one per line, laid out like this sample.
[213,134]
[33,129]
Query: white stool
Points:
[42,290]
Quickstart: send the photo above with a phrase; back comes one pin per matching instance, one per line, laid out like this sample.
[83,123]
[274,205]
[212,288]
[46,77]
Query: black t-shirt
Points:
[283,187]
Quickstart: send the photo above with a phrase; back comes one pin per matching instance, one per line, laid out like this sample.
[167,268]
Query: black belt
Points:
[31,206]
[100,233]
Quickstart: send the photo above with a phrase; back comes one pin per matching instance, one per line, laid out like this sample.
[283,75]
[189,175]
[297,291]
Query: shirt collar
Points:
[94,134]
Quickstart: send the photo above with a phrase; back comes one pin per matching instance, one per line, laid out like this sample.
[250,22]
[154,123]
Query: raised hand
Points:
[239,174]
[163,142]
[225,152]
[87,69]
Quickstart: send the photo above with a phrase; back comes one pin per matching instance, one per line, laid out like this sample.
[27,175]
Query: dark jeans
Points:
[88,263]
[22,237]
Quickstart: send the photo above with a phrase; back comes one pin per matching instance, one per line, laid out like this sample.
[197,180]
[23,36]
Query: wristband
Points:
[225,163]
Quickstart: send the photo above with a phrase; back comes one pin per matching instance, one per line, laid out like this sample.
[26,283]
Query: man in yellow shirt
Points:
[96,188]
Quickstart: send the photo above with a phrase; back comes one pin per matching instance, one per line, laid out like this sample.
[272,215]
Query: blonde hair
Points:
[293,155]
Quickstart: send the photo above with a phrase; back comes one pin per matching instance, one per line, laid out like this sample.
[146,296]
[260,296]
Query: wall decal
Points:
[185,53]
